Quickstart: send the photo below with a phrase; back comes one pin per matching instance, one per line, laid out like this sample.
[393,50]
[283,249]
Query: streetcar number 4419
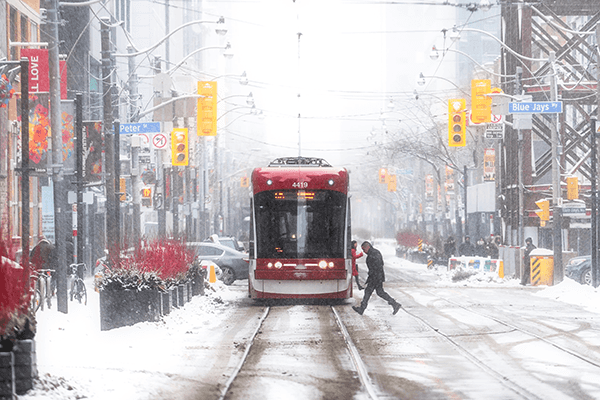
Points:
[300,185]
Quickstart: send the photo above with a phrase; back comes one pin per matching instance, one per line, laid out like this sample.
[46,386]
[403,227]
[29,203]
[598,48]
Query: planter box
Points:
[25,365]
[182,294]
[175,296]
[198,284]
[167,302]
[7,376]
[124,307]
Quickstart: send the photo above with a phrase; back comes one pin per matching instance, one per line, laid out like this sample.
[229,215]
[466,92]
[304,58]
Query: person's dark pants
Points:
[378,288]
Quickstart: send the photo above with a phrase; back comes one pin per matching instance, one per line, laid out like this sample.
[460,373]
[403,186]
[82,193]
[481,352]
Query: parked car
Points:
[580,269]
[233,263]
[228,241]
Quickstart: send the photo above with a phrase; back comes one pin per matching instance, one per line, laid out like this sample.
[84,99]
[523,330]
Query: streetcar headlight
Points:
[270,265]
[331,182]
[269,182]
[330,264]
[322,264]
[278,265]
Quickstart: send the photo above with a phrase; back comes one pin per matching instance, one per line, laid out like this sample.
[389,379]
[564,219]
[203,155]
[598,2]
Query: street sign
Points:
[535,107]
[140,127]
[574,209]
[159,141]
[494,131]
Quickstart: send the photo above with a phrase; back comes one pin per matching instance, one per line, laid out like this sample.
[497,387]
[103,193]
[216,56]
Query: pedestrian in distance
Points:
[529,246]
[375,280]
[355,256]
[492,250]
[466,248]
[481,248]
[449,247]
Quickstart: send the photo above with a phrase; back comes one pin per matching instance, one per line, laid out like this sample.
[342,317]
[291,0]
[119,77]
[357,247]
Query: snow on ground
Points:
[76,360]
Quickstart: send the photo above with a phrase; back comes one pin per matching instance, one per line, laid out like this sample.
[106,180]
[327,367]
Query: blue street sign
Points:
[536,107]
[140,127]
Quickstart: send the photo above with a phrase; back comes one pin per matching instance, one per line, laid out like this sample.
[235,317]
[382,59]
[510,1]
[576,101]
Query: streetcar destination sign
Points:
[535,107]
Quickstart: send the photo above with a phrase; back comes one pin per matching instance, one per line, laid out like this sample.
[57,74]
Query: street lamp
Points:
[227,54]
[421,81]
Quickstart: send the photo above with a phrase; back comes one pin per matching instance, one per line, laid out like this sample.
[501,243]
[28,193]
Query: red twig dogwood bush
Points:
[158,263]
[14,293]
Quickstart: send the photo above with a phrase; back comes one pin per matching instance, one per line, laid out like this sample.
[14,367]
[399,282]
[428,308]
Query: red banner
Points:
[38,69]
[39,72]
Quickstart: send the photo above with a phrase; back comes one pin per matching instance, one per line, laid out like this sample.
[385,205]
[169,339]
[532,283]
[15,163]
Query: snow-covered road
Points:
[479,338]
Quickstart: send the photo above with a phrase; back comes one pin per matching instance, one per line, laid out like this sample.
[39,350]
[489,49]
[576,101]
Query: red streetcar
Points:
[300,231]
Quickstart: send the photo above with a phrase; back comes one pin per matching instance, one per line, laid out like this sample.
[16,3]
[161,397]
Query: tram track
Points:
[359,366]
[511,327]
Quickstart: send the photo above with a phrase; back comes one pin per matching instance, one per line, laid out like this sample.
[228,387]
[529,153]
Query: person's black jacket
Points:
[466,249]
[375,265]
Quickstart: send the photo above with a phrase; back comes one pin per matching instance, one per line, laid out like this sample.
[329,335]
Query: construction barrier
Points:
[477,263]
[542,267]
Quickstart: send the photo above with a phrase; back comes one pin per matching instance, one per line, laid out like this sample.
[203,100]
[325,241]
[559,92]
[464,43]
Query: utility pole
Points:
[518,89]
[25,220]
[135,149]
[594,163]
[79,174]
[466,183]
[58,181]
[109,146]
[556,190]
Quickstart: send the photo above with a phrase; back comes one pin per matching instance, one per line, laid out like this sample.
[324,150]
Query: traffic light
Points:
[457,123]
[572,188]
[179,147]
[382,175]
[392,183]
[481,105]
[544,211]
[244,182]
[147,197]
[206,120]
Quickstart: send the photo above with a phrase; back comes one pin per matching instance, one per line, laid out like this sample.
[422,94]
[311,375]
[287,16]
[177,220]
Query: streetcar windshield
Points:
[300,224]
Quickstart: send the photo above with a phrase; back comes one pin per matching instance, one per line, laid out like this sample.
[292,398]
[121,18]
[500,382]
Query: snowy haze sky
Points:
[351,59]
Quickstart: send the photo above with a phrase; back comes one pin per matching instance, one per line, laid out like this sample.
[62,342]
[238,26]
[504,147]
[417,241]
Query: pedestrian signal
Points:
[544,211]
[179,147]
[572,188]
[457,125]
[147,197]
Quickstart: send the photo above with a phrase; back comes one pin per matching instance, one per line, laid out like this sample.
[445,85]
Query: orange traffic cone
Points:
[212,276]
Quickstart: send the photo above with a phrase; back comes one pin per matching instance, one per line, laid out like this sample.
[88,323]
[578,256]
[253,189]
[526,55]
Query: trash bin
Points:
[542,267]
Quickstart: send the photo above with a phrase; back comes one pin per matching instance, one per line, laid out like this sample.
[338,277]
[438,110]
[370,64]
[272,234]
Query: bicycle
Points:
[43,289]
[78,290]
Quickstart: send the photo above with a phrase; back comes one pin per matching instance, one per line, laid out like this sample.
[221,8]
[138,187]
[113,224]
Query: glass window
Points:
[300,224]
[209,251]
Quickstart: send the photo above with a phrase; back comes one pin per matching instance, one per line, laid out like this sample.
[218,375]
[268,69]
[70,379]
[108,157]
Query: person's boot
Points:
[396,306]
[359,310]
[360,287]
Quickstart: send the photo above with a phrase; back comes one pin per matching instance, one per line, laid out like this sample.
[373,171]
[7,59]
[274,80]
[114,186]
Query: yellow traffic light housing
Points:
[457,124]
[544,211]
[179,147]
[206,120]
[481,105]
[391,183]
[244,181]
[572,188]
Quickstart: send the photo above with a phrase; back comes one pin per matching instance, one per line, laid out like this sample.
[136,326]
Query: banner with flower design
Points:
[67,109]
[39,133]
[92,152]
